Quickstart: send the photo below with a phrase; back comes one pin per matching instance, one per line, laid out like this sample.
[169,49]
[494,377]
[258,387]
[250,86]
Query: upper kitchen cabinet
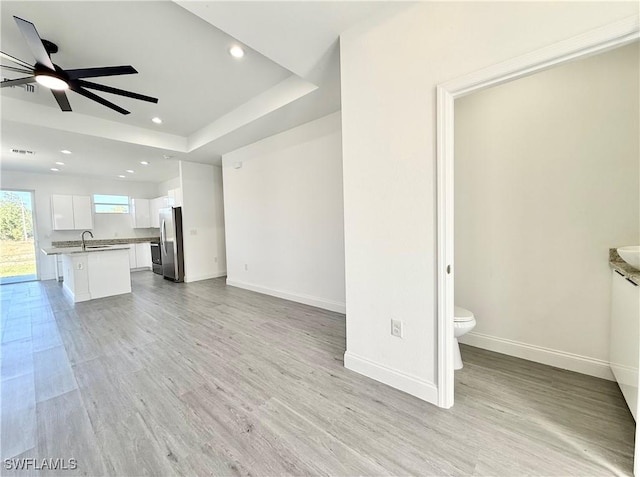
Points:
[82,213]
[154,207]
[175,197]
[71,212]
[141,213]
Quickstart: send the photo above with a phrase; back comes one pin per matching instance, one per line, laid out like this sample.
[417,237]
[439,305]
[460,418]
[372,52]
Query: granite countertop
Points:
[616,263]
[111,241]
[69,250]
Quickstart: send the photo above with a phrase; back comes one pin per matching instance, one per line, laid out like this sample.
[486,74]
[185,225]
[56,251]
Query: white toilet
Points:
[463,322]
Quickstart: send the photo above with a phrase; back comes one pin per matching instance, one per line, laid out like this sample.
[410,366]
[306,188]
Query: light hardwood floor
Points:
[205,379]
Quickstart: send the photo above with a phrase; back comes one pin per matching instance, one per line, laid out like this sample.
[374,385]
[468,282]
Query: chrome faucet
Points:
[84,246]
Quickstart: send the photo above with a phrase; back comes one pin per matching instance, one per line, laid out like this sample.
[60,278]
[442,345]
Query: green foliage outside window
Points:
[15,217]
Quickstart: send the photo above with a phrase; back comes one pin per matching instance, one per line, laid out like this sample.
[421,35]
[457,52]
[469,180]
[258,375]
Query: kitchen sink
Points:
[98,246]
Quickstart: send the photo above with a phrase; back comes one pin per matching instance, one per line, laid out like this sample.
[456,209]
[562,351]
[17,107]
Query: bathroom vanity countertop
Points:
[616,263]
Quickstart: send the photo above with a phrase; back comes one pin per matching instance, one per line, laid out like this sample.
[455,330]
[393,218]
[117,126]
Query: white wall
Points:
[104,225]
[284,219]
[389,71]
[202,221]
[546,181]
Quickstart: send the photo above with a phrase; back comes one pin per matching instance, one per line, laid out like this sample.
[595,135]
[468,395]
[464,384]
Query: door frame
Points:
[605,38]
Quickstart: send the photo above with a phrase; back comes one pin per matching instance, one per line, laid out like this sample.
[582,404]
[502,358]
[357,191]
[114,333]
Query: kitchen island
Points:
[95,271]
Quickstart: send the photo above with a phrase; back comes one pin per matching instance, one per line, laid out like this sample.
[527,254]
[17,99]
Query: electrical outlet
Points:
[246,267]
[396,328]
[216,259]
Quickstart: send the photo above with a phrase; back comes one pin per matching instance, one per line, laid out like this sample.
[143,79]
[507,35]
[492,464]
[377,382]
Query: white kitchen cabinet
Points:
[132,256]
[143,255]
[141,213]
[62,212]
[140,256]
[59,269]
[71,212]
[82,213]
[624,354]
[154,210]
[175,197]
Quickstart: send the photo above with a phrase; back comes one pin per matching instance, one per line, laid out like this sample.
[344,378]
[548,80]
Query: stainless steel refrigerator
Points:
[171,244]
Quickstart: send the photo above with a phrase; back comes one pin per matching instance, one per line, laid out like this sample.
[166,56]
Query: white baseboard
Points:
[66,290]
[299,298]
[560,359]
[197,278]
[417,387]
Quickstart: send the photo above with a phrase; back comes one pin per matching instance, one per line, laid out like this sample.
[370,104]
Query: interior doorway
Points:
[18,261]
[606,38]
[611,36]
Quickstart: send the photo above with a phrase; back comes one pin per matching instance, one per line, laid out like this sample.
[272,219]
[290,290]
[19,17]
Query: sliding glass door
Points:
[17,241]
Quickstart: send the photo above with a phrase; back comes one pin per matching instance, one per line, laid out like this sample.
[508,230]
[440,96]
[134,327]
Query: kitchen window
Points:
[111,204]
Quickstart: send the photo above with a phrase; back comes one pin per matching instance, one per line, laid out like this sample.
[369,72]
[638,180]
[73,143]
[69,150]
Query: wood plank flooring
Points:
[205,379]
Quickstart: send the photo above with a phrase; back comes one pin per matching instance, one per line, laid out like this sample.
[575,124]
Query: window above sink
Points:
[111,204]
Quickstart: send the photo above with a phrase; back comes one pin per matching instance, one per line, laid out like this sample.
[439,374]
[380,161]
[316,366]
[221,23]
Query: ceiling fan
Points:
[51,76]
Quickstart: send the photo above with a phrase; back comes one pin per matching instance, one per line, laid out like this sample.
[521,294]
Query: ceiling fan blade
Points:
[62,100]
[34,42]
[103,71]
[98,99]
[15,60]
[17,82]
[17,70]
[121,92]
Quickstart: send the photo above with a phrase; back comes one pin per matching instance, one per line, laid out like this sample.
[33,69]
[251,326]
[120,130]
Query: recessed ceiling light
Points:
[156,120]
[60,163]
[65,151]
[130,171]
[55,169]
[144,163]
[121,176]
[236,51]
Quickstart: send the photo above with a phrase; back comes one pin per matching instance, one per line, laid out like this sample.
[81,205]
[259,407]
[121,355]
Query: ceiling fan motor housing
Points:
[50,46]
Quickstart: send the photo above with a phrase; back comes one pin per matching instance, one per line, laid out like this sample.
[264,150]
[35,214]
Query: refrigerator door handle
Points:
[163,237]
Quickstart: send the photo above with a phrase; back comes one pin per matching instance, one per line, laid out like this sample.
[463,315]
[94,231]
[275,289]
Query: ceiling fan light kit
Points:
[52,82]
[58,80]
[50,79]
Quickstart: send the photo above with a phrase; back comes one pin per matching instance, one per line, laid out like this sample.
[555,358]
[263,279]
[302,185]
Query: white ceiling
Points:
[91,156]
[210,102]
